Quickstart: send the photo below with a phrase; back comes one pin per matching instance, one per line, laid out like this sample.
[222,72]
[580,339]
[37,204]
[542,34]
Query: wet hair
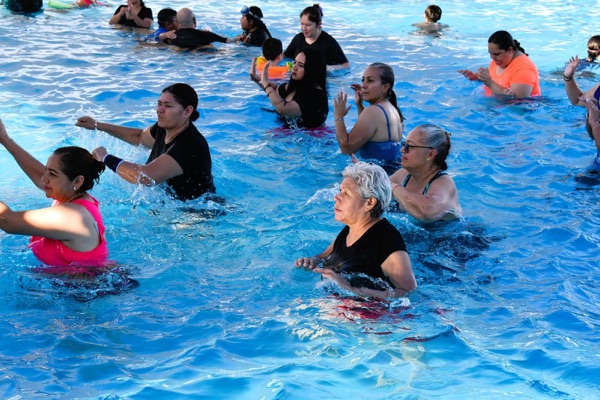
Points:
[439,139]
[371,181]
[505,41]
[594,45]
[315,73]
[254,17]
[272,48]
[186,96]
[386,74]
[75,161]
[314,13]
[433,13]
[166,16]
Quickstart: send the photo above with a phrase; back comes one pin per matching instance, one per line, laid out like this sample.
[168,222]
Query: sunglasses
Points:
[407,147]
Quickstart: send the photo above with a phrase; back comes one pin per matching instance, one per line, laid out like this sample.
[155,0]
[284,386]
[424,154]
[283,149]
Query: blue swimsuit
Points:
[384,151]
[439,173]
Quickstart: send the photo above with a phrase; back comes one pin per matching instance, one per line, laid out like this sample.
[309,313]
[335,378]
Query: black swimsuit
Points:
[439,173]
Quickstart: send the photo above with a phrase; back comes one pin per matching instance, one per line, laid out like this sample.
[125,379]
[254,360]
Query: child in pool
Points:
[431,25]
[273,52]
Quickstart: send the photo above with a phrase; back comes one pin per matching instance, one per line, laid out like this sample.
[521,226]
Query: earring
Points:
[427,158]
[74,188]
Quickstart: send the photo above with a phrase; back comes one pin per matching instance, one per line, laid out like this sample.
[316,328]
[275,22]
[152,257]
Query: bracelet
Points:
[112,162]
[269,93]
[567,79]
[95,125]
[339,119]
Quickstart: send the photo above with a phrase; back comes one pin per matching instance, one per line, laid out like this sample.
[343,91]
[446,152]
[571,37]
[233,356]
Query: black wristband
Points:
[112,162]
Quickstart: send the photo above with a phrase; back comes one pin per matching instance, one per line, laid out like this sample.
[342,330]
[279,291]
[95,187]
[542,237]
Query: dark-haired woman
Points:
[511,72]
[422,187]
[134,14]
[302,102]
[255,30]
[378,131]
[314,37]
[180,155]
[70,233]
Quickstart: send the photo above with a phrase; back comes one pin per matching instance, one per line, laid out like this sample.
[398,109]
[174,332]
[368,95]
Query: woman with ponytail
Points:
[510,72]
[180,155]
[255,30]
[422,186]
[69,235]
[378,131]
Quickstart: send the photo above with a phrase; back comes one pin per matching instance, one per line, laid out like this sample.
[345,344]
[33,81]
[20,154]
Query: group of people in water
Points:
[71,232]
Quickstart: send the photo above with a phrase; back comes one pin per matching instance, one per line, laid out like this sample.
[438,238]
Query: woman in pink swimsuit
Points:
[69,236]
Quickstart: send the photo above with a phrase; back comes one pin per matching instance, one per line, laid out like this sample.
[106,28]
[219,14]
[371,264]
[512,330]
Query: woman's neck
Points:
[359,228]
[172,133]
[423,176]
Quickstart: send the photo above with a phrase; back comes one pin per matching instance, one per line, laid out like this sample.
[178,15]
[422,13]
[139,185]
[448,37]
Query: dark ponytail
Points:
[75,161]
[504,41]
[386,74]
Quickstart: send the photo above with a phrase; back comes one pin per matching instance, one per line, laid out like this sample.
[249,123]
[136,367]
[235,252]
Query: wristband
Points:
[112,162]
[567,79]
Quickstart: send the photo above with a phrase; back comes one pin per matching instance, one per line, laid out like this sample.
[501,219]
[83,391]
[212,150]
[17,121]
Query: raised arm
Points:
[31,166]
[159,170]
[575,94]
[133,136]
[362,131]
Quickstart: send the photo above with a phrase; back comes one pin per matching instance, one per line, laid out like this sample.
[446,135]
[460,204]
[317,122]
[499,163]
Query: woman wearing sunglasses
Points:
[422,187]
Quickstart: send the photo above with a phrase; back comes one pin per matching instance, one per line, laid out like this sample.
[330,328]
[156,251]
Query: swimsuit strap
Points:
[439,173]
[597,95]
[405,181]
[387,121]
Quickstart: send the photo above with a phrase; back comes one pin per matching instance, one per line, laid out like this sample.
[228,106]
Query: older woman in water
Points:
[70,234]
[378,131]
[511,72]
[302,101]
[368,244]
[179,154]
[422,187]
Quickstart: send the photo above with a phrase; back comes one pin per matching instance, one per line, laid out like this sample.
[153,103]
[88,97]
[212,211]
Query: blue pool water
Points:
[508,304]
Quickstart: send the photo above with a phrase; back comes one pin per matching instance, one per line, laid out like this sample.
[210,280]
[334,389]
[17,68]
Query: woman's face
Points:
[245,23]
[311,30]
[57,185]
[349,206]
[415,150]
[170,113]
[298,68]
[371,88]
[502,58]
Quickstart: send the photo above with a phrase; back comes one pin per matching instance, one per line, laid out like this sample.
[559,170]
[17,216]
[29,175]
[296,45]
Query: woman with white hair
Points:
[368,244]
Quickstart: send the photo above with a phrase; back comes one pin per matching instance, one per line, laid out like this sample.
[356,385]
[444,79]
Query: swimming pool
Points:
[508,300]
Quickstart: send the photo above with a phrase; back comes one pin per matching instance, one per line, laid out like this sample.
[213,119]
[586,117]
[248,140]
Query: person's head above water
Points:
[186,19]
[371,182]
[433,13]
[186,96]
[167,18]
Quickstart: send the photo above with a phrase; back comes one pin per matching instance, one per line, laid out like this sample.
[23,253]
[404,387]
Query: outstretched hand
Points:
[99,153]
[358,99]
[569,71]
[3,134]
[470,75]
[339,105]
[86,122]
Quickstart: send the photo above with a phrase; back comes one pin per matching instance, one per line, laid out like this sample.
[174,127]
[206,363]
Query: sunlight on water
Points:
[507,304]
